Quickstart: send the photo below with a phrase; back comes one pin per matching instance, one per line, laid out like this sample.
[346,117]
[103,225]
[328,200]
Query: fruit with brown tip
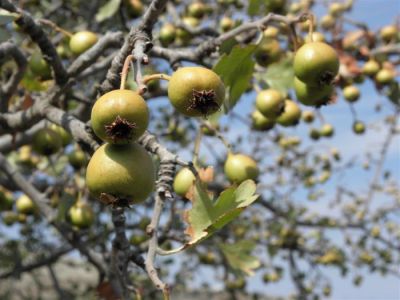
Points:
[291,115]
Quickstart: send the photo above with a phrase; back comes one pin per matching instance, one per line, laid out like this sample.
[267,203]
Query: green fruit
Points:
[46,141]
[197,9]
[291,114]
[358,127]
[237,284]
[208,258]
[270,103]
[327,130]
[39,66]
[77,158]
[260,122]
[183,181]
[240,167]
[82,41]
[371,67]
[167,34]
[182,36]
[25,205]
[81,215]
[268,52]
[270,33]
[120,116]
[9,218]
[351,93]
[316,64]
[295,7]
[66,137]
[327,22]
[6,200]
[316,37]
[137,240]
[196,91]
[308,116]
[275,6]
[385,76]
[314,134]
[143,223]
[226,24]
[135,8]
[389,33]
[123,171]
[312,95]
[336,9]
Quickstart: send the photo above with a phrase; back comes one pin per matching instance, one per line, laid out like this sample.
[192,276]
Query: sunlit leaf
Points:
[107,10]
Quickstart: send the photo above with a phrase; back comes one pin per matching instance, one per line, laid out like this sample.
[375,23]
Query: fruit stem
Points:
[55,27]
[160,76]
[197,144]
[166,293]
[125,70]
[311,28]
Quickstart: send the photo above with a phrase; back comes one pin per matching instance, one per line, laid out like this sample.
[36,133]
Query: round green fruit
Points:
[260,122]
[316,37]
[123,171]
[327,130]
[314,134]
[197,9]
[351,93]
[308,116]
[46,141]
[183,181]
[135,8]
[389,33]
[270,103]
[81,215]
[196,91]
[291,114]
[6,200]
[336,9]
[226,24]
[316,64]
[268,52]
[66,137]
[271,33]
[25,205]
[120,116]
[240,167]
[385,76]
[137,240]
[77,158]
[312,95]
[167,34]
[358,127]
[39,66]
[9,218]
[327,22]
[371,67]
[82,41]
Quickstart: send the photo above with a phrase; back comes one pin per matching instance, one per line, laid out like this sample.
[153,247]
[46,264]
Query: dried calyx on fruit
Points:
[120,116]
[196,91]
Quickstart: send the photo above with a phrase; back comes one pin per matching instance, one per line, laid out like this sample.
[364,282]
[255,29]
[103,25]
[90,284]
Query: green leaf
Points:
[236,70]
[207,216]
[279,75]
[239,256]
[31,83]
[107,10]
[254,7]
[226,46]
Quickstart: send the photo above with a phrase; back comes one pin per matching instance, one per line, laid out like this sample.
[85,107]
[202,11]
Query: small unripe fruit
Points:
[226,24]
[136,239]
[271,32]
[123,171]
[260,122]
[135,8]
[385,76]
[270,103]
[336,9]
[388,33]
[312,95]
[183,181]
[308,116]
[46,141]
[240,167]
[6,200]
[316,64]
[314,134]
[196,91]
[77,158]
[65,136]
[316,37]
[39,66]
[358,127]
[351,93]
[197,9]
[327,22]
[371,67]
[291,114]
[327,130]
[25,205]
[268,52]
[82,41]
[9,218]
[167,34]
[120,116]
[81,215]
